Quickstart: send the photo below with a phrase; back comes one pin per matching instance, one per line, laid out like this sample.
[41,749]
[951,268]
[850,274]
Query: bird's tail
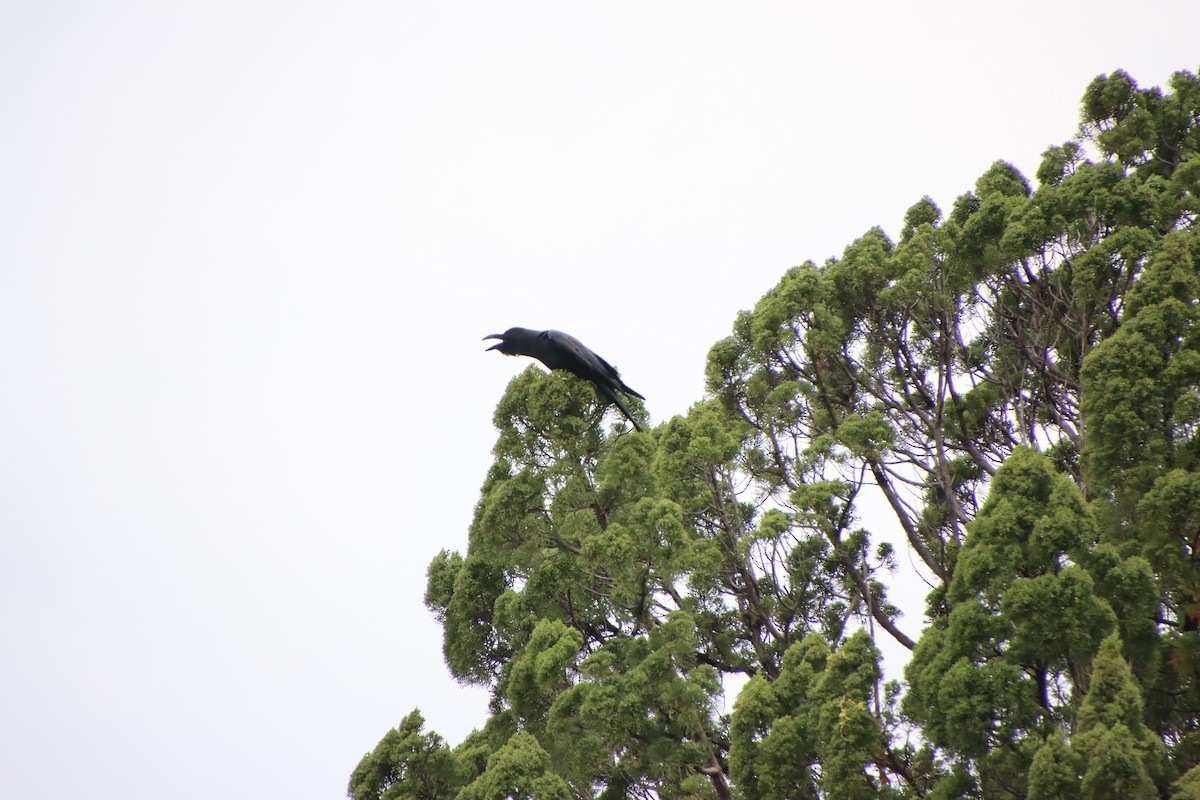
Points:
[615,398]
[621,385]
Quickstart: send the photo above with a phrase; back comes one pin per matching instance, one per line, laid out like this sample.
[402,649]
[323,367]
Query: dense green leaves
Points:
[1003,402]
[407,764]
[1024,625]
[519,770]
[811,732]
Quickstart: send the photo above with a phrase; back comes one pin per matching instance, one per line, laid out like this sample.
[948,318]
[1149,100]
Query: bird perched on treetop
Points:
[558,350]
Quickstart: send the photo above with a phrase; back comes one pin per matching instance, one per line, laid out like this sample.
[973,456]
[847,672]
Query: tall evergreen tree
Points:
[1015,382]
[1118,754]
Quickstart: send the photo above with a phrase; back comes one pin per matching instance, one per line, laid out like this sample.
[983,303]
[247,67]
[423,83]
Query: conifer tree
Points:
[1015,382]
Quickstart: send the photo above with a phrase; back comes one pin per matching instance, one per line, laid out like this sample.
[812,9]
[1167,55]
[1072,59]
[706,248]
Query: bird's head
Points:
[511,340]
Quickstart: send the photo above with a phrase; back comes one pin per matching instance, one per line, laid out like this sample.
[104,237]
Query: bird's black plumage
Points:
[558,350]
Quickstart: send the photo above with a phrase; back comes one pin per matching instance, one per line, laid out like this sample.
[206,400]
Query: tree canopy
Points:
[1007,396]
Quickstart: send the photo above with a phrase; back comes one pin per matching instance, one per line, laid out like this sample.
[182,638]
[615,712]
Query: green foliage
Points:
[540,673]
[1187,787]
[1053,774]
[462,593]
[519,770]
[1115,771]
[407,764]
[1121,757]
[812,731]
[650,691]
[1140,384]
[1015,382]
[1023,618]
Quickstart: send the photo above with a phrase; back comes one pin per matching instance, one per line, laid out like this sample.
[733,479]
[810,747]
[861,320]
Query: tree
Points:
[407,764]
[989,679]
[1009,393]
[1119,755]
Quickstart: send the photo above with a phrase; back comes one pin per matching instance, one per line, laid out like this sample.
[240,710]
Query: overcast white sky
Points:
[247,253]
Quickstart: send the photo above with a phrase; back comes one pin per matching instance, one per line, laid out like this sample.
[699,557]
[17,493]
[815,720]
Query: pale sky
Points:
[247,254]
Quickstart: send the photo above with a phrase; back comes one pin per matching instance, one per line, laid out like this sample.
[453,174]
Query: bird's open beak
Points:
[499,336]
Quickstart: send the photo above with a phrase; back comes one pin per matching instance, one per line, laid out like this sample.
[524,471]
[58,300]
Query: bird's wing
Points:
[586,364]
[580,351]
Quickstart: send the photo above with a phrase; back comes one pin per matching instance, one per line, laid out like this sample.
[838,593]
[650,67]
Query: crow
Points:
[558,350]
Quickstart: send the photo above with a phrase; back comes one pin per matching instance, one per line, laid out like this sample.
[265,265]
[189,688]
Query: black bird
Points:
[558,350]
